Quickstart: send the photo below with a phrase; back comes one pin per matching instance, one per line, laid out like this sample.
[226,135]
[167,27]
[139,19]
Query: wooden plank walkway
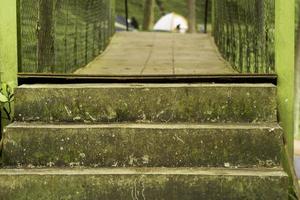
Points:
[141,53]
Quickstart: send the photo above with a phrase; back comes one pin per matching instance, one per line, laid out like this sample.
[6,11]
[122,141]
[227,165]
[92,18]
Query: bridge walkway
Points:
[145,53]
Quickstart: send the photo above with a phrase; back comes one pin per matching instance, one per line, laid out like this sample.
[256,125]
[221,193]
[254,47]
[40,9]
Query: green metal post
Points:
[8,45]
[8,42]
[285,64]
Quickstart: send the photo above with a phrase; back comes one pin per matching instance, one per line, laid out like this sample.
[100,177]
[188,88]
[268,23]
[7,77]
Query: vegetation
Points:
[6,110]
[136,9]
[6,99]
[60,36]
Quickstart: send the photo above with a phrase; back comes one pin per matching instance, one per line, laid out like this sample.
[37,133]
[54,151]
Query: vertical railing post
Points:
[8,46]
[213,4]
[297,68]
[8,42]
[126,15]
[206,15]
[285,64]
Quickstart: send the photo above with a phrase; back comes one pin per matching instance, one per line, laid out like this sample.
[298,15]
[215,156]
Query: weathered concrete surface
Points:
[154,184]
[158,54]
[142,145]
[147,103]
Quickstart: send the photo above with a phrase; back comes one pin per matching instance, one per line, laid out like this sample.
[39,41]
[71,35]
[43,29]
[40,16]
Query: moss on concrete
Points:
[142,145]
[172,184]
[150,103]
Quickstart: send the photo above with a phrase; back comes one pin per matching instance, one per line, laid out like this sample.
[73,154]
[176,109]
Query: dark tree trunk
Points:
[192,15]
[148,15]
[261,54]
[45,36]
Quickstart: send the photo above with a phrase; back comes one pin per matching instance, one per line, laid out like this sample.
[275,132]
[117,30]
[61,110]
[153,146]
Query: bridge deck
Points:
[158,54]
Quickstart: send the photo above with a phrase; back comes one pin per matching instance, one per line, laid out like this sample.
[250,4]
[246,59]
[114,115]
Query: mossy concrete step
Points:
[142,145]
[154,184]
[162,103]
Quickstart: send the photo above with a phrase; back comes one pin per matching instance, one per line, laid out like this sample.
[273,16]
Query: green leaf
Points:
[3,98]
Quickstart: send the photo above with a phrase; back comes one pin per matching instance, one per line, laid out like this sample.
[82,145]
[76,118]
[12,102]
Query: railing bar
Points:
[206,15]
[126,14]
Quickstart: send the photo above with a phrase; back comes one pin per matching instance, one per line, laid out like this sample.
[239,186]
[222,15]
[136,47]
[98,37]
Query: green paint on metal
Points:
[8,46]
[284,62]
[8,42]
[297,99]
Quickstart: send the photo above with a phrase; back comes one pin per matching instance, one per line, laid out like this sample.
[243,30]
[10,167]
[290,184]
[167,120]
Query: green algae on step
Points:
[143,145]
[145,183]
[147,103]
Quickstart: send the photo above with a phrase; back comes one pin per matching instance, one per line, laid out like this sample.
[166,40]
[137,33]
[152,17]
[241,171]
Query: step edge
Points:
[140,86]
[278,172]
[233,126]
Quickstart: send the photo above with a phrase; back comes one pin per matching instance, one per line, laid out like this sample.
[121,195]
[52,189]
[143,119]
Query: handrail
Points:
[297,68]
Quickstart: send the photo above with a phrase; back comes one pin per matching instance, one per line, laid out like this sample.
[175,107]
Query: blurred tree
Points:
[148,15]
[192,15]
[161,7]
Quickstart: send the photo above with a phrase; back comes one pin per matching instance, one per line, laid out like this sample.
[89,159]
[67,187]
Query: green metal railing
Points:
[60,36]
[297,20]
[297,69]
[244,33]
[258,36]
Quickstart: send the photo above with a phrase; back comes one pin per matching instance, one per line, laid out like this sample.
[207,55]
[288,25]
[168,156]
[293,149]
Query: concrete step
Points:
[147,103]
[143,145]
[154,184]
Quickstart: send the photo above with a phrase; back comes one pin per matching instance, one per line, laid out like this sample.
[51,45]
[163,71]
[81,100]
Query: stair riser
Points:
[148,103]
[142,147]
[154,187]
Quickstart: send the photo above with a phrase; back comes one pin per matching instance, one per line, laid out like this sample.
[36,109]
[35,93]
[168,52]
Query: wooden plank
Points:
[145,53]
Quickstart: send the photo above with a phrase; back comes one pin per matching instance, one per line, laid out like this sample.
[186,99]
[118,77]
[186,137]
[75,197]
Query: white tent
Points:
[172,22]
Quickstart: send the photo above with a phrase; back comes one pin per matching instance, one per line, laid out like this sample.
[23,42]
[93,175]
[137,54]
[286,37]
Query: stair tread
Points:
[146,125]
[142,145]
[263,172]
[151,85]
[144,183]
[147,103]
